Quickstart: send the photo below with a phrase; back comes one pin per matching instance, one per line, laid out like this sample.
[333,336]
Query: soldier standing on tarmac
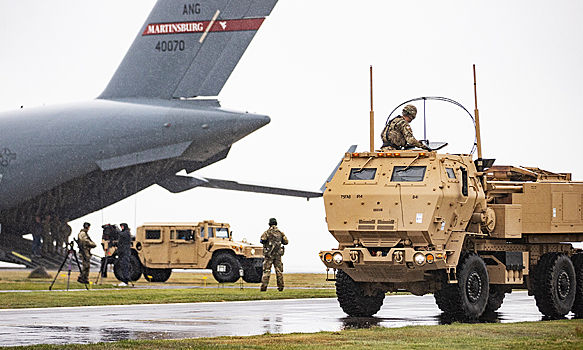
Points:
[64,233]
[124,245]
[397,134]
[46,235]
[273,241]
[85,246]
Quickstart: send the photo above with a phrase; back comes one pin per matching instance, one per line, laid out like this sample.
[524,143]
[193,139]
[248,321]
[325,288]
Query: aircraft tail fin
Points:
[187,49]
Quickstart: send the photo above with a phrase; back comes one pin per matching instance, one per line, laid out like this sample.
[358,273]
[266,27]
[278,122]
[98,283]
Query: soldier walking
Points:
[273,241]
[85,246]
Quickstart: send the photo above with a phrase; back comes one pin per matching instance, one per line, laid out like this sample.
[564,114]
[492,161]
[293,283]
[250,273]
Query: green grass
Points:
[565,334]
[107,292]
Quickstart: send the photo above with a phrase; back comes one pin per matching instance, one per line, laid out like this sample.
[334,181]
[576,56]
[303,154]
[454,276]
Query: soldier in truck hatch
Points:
[397,134]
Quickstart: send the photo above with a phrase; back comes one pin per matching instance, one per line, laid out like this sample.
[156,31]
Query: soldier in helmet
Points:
[273,241]
[397,134]
[85,246]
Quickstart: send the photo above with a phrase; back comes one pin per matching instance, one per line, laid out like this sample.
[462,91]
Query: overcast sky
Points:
[308,69]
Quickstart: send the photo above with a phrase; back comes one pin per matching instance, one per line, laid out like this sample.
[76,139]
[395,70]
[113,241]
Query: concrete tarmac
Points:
[95,324]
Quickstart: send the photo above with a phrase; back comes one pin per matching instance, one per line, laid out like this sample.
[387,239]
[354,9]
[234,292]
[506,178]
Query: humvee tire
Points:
[135,269]
[225,268]
[495,298]
[555,285]
[466,299]
[253,274]
[578,303]
[157,275]
[352,299]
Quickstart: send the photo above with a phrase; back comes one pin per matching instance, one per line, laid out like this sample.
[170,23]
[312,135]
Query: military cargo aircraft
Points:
[155,118]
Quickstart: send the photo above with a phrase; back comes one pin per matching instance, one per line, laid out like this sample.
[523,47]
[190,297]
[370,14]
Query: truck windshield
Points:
[362,174]
[222,232]
[408,174]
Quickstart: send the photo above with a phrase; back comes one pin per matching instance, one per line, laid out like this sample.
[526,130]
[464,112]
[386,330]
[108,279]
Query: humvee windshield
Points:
[362,174]
[222,232]
[408,174]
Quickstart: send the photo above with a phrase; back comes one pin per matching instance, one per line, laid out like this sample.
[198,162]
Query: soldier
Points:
[124,245]
[46,235]
[273,240]
[397,134]
[85,246]
[64,233]
[37,231]
[55,235]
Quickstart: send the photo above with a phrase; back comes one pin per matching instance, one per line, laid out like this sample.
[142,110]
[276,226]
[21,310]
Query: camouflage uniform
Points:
[64,233]
[55,235]
[46,235]
[398,133]
[85,246]
[272,241]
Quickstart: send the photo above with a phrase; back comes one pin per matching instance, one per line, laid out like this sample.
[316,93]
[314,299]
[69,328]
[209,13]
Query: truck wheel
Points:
[467,299]
[578,303]
[157,275]
[352,299]
[555,285]
[253,274]
[136,268]
[495,298]
[225,268]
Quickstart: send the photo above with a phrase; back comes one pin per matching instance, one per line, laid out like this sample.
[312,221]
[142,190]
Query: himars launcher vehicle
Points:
[462,229]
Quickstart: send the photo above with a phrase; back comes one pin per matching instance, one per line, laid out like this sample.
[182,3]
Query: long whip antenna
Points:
[371,115]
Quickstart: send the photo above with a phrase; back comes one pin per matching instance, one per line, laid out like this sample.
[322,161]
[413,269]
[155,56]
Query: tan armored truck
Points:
[160,247]
[462,229]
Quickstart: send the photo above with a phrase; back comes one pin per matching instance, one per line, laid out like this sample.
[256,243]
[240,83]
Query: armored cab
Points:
[426,222]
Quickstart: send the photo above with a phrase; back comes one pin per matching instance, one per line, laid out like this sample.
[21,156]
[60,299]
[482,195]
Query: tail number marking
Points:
[171,45]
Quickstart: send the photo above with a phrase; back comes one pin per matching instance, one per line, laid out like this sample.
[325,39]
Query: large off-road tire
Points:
[555,285]
[253,274]
[352,299]
[157,275]
[578,303]
[225,268]
[495,297]
[135,268]
[467,299]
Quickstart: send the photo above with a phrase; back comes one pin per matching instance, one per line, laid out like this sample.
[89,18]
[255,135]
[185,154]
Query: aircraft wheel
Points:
[577,308]
[225,268]
[555,285]
[467,299]
[352,298]
[157,275]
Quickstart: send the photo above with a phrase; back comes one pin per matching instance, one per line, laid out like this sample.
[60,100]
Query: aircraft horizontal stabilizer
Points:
[350,150]
[179,183]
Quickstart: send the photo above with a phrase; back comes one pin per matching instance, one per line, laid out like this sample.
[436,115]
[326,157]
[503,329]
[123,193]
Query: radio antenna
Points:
[477,121]
[371,115]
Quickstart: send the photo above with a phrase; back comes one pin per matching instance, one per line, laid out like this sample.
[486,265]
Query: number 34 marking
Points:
[171,45]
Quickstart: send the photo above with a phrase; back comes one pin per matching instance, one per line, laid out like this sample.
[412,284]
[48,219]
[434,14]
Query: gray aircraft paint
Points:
[145,127]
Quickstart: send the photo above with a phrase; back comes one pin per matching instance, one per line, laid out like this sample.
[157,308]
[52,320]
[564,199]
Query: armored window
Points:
[184,234]
[408,174]
[202,232]
[450,173]
[362,174]
[153,234]
[211,232]
[222,232]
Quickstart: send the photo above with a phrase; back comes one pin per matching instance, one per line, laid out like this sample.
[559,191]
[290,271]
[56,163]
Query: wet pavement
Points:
[94,324]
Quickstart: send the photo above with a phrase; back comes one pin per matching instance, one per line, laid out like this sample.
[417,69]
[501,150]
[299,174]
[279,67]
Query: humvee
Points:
[463,229]
[160,247]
